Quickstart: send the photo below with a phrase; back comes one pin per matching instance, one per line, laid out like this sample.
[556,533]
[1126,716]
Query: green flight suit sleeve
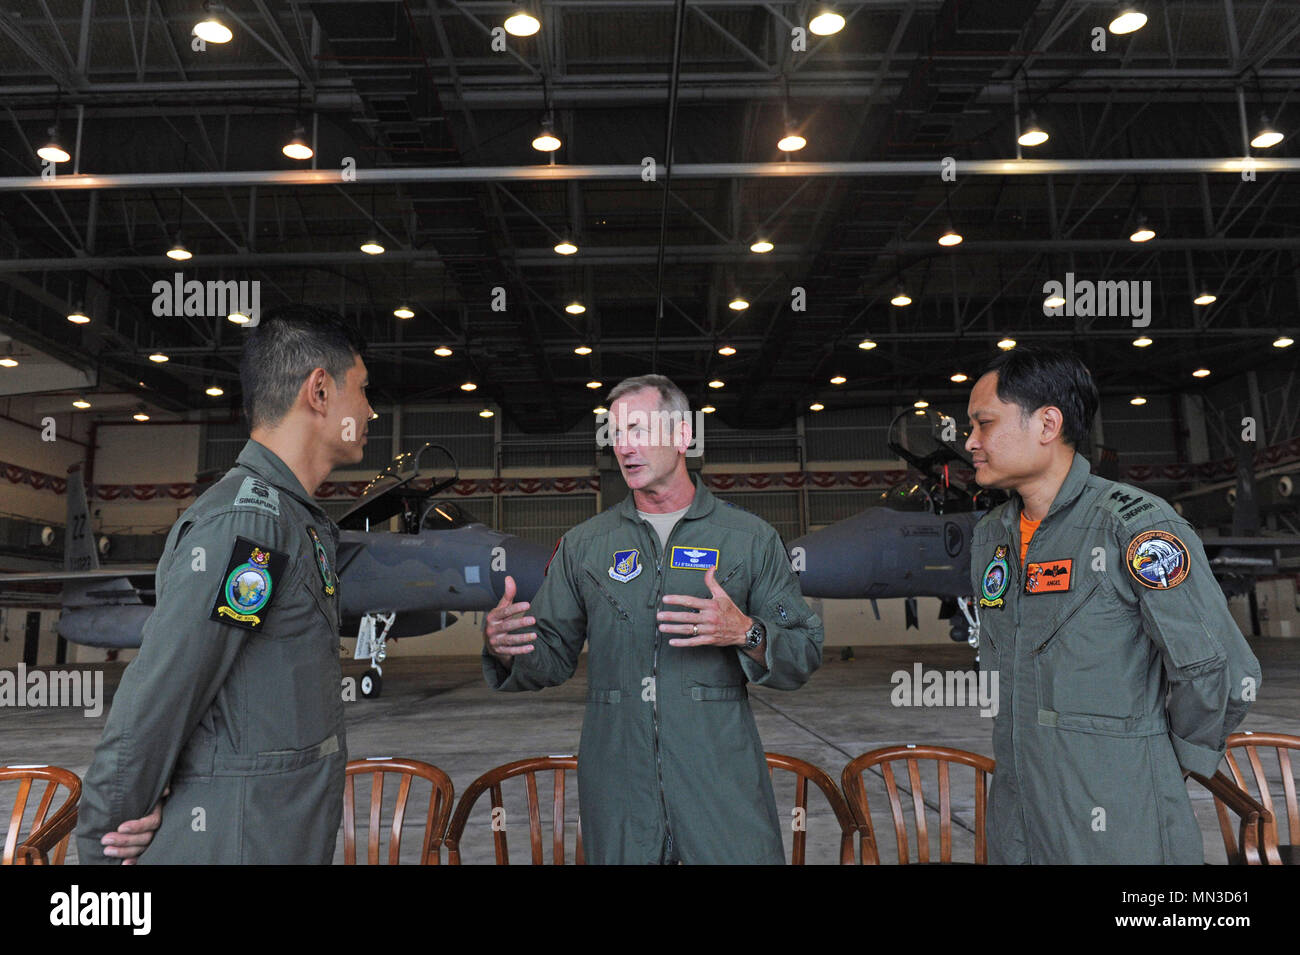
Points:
[1213,675]
[167,689]
[793,645]
[561,630]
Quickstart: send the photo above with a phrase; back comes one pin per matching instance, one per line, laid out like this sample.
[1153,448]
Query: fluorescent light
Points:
[762,246]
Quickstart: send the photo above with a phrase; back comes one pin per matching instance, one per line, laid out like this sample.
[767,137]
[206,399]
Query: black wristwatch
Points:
[754,636]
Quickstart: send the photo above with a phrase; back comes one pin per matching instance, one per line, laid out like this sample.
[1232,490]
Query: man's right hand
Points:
[503,618]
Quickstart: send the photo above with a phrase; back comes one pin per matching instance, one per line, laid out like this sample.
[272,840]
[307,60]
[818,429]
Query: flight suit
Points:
[235,695]
[1118,667]
[670,764]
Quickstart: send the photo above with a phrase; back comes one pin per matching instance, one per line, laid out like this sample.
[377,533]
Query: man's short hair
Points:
[287,344]
[1033,377]
[671,398]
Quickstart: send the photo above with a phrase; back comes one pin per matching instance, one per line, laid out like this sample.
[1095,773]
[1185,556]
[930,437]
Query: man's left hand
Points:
[718,619]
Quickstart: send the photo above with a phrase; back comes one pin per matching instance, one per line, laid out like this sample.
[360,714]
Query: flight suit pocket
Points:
[611,657]
[1086,667]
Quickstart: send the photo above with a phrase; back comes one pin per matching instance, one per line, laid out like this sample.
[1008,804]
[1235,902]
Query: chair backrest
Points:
[1253,821]
[1281,744]
[803,772]
[435,822]
[491,781]
[943,756]
[47,832]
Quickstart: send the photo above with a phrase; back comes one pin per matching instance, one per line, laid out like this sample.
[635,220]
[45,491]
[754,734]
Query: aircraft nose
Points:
[523,560]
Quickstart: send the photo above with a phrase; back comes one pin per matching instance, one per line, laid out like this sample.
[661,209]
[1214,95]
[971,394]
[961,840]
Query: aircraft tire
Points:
[371,684]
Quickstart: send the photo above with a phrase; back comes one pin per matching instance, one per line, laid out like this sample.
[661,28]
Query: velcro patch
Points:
[694,558]
[256,493]
[248,585]
[1158,560]
[1048,577]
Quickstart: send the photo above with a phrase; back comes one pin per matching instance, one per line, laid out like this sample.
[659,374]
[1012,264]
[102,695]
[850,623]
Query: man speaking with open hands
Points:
[684,599]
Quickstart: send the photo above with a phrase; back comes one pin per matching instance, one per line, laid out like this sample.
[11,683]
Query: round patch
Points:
[997,576]
[248,588]
[1158,560]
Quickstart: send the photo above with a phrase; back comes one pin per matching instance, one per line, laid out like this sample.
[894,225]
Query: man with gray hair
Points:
[683,600]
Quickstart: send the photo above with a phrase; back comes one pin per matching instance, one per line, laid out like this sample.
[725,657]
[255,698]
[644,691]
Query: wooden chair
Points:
[1251,744]
[491,782]
[1254,820]
[856,794]
[804,772]
[47,839]
[435,822]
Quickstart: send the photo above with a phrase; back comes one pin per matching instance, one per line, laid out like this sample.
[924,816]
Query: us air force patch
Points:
[694,558]
[256,493]
[248,585]
[997,576]
[627,564]
[323,565]
[1158,560]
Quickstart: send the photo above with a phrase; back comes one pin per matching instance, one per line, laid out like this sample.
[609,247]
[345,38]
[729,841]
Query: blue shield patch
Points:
[694,558]
[627,564]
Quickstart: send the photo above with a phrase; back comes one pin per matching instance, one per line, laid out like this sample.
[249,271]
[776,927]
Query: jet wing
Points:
[104,573]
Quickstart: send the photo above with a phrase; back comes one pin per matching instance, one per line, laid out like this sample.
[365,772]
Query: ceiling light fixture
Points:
[1143,232]
[565,247]
[297,147]
[442,351]
[575,308]
[717,383]
[1128,19]
[1137,400]
[1201,373]
[158,357]
[1032,134]
[178,252]
[866,344]
[486,413]
[81,403]
[239,318]
[1142,341]
[726,351]
[403,311]
[1205,298]
[546,141]
[211,29]
[816,406]
[582,350]
[901,299]
[522,23]
[1266,136]
[958,377]
[372,246]
[1283,341]
[468,386]
[838,380]
[826,22]
[738,304]
[53,151]
[216,391]
[1007,344]
[78,317]
[708,409]
[761,246]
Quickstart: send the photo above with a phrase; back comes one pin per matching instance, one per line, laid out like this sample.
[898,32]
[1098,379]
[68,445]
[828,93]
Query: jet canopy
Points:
[402,487]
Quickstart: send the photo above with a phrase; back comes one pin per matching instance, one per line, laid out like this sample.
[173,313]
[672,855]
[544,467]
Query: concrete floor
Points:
[438,710]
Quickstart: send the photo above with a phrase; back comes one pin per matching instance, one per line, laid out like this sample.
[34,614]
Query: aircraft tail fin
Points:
[79,540]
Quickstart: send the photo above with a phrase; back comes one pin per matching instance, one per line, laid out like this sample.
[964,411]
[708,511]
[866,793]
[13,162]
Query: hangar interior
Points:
[802,298]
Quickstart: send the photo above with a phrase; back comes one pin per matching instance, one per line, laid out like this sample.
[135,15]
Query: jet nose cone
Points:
[523,560]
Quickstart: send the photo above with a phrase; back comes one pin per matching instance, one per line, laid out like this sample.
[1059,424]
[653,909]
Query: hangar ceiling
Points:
[410,92]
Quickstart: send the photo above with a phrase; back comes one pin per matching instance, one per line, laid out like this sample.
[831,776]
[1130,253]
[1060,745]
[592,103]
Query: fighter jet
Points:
[402,583]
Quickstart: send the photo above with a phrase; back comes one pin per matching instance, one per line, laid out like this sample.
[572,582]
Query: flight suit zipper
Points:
[1061,626]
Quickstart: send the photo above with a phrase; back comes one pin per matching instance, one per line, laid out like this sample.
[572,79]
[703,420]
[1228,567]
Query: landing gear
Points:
[373,647]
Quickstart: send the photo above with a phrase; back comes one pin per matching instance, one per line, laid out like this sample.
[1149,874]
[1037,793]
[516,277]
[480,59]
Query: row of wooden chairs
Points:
[1253,840]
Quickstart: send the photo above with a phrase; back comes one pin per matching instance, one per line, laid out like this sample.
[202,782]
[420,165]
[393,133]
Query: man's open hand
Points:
[718,619]
[132,837]
[503,618]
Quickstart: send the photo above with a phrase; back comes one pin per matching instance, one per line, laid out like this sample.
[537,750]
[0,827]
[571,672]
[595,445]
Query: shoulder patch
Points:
[1158,560]
[248,585]
[256,493]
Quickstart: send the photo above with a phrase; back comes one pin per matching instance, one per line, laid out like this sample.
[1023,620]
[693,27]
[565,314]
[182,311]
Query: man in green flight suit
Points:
[1119,664]
[235,695]
[671,768]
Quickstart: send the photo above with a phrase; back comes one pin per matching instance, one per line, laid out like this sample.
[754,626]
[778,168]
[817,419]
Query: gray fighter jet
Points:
[401,583]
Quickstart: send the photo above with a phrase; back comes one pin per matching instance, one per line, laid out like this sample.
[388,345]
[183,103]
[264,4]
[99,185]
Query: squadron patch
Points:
[627,565]
[1158,560]
[694,558]
[1049,577]
[997,576]
[248,585]
[322,564]
[256,493]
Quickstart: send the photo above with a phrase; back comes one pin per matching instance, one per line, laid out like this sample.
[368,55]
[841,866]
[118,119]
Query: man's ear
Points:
[317,391]
[1053,423]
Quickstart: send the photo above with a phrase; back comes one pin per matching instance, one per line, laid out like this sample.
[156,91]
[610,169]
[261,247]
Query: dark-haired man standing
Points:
[234,697]
[1119,664]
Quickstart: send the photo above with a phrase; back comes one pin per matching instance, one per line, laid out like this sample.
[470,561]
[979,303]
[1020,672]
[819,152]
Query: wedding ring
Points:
[695,630]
